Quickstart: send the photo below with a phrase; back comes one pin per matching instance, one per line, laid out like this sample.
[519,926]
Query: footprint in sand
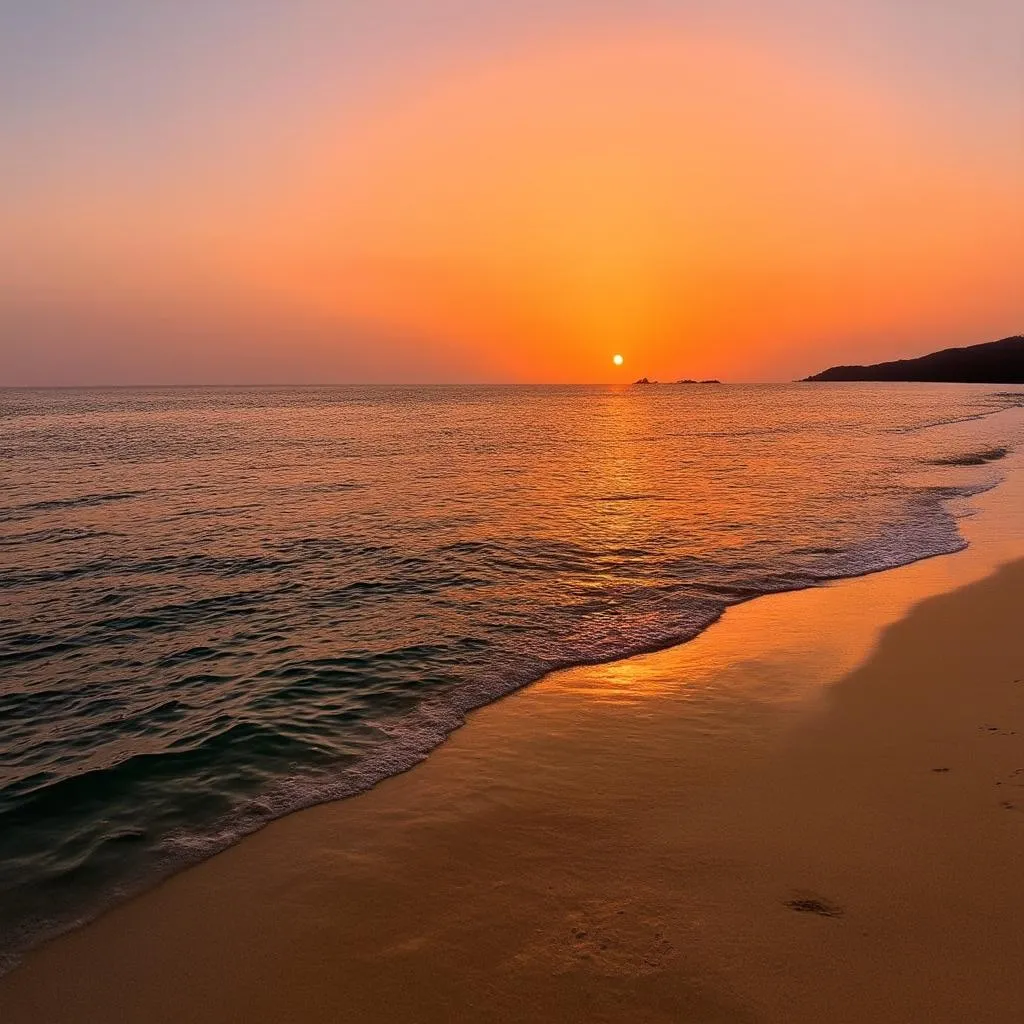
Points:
[606,940]
[809,903]
[1015,779]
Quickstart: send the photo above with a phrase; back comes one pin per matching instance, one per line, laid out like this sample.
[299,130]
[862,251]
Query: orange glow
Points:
[694,200]
[714,210]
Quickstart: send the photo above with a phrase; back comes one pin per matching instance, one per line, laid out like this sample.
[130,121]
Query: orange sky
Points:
[706,207]
[692,205]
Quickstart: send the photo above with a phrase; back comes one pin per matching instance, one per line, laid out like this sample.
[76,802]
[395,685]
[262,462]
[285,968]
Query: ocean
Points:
[220,605]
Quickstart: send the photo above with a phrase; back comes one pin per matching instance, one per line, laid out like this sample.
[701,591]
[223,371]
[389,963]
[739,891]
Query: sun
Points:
[617,360]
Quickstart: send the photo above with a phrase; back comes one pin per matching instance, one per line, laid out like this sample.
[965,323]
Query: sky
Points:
[448,191]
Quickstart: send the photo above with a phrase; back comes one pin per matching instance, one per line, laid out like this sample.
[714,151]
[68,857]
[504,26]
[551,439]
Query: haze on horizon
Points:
[453,190]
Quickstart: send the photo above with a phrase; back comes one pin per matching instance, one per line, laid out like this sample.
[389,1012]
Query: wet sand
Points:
[813,812]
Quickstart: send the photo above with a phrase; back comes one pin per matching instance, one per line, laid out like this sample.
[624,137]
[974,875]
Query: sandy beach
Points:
[512,513]
[814,811]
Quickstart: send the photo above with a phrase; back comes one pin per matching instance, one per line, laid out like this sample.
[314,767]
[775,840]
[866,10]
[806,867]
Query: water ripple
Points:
[217,606]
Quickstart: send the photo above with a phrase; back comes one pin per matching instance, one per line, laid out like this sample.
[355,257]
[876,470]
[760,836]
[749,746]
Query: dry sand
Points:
[712,833]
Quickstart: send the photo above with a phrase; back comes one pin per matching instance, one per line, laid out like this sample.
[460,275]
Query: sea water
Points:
[221,605]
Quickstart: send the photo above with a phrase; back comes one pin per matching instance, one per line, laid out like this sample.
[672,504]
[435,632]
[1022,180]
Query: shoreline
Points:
[404,756]
[482,882]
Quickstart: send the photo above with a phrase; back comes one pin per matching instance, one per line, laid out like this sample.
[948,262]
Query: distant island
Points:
[995,362]
[644,380]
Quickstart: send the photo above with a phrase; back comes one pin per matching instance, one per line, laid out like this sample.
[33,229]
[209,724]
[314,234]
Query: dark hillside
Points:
[996,362]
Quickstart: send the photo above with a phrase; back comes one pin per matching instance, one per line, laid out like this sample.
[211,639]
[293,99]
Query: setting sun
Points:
[308,304]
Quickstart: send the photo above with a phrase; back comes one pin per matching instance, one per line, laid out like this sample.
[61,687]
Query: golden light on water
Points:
[617,359]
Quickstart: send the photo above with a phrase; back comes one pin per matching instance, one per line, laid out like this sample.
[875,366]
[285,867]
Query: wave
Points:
[977,458]
[61,504]
[235,646]
[669,619]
